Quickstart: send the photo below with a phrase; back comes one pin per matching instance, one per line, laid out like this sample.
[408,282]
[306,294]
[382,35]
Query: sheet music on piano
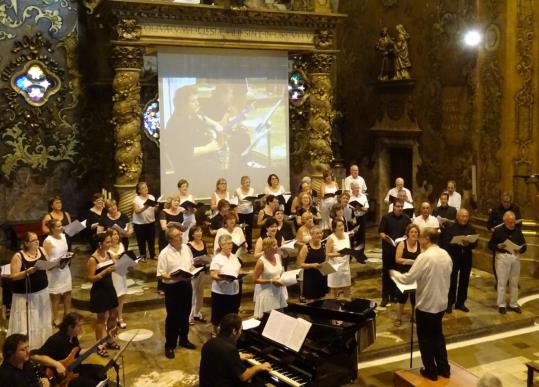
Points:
[286,330]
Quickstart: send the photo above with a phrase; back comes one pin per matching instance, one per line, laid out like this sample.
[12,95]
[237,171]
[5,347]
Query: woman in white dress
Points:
[119,281]
[224,290]
[60,282]
[271,293]
[221,192]
[341,281]
[189,213]
[28,279]
[245,209]
[328,186]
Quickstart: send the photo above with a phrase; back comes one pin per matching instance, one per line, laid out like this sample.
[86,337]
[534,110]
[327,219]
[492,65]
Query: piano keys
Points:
[329,355]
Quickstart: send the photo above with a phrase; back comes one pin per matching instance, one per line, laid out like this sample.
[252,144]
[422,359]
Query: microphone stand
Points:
[27,293]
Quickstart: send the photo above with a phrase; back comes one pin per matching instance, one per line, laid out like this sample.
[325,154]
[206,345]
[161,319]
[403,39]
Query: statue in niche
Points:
[386,47]
[396,63]
[402,59]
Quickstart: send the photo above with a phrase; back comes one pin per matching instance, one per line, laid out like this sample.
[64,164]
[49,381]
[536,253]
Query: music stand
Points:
[408,288]
[114,364]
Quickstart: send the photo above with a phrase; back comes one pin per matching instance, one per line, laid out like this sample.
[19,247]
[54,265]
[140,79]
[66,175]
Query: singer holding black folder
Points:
[144,206]
[103,298]
[31,306]
[178,291]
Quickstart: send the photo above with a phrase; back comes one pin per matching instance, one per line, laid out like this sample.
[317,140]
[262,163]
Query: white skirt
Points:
[59,280]
[269,297]
[120,284]
[39,310]
[342,278]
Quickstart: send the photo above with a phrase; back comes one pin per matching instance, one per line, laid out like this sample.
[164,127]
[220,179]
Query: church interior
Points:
[428,91]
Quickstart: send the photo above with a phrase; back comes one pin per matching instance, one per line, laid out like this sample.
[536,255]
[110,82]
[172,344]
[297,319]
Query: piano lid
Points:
[357,310]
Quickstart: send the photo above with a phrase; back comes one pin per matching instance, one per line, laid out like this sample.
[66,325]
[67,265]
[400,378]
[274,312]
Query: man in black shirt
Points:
[446,212]
[461,255]
[392,226]
[59,346]
[221,364]
[17,370]
[495,219]
[508,260]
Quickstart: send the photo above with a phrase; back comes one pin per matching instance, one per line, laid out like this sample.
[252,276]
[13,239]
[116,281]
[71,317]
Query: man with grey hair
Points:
[508,243]
[399,185]
[461,254]
[178,291]
[432,271]
[455,199]
[425,219]
[354,177]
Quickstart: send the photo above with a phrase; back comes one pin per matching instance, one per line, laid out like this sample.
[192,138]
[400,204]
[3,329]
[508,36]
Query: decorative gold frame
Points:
[48,73]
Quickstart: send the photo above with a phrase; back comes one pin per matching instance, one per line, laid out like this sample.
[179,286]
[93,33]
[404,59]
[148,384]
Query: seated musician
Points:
[221,364]
[17,370]
[59,346]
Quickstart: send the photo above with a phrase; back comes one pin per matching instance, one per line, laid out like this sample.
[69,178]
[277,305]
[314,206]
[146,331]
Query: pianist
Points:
[221,364]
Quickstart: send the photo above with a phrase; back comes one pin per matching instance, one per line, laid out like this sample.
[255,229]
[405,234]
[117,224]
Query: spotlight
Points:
[472,38]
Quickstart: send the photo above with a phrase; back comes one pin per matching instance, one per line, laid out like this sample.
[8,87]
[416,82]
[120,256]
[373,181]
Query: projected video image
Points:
[224,114]
[225,125]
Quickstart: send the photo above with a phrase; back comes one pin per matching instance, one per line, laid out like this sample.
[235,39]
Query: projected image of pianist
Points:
[202,137]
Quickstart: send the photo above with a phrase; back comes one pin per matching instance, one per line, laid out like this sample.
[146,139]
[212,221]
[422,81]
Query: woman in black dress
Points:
[94,218]
[112,217]
[171,213]
[309,259]
[56,212]
[405,255]
[103,298]
[198,249]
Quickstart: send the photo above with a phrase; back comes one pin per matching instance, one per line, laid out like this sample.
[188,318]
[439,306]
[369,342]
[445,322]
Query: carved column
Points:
[321,115]
[126,112]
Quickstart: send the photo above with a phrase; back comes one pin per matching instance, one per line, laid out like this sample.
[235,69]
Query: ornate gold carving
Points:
[524,99]
[33,13]
[324,39]
[35,136]
[127,29]
[39,79]
[178,13]
[90,5]
[127,57]
[126,118]
[312,119]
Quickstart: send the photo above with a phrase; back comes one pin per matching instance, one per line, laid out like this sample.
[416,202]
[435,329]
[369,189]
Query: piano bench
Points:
[460,377]
[533,366]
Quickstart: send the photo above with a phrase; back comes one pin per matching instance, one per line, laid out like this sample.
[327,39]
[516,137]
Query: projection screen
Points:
[224,113]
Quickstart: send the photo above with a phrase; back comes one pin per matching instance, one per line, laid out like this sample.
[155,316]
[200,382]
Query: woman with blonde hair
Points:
[310,257]
[268,269]
[221,192]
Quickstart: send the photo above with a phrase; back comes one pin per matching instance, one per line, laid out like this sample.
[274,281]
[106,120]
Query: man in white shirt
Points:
[408,207]
[426,219]
[354,177]
[360,210]
[178,291]
[454,197]
[399,185]
[432,271]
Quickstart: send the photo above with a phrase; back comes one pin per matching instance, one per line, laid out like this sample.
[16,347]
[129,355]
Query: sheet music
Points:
[327,268]
[123,264]
[286,330]
[46,265]
[5,270]
[74,228]
[122,231]
[289,245]
[108,262]
[511,246]
[403,287]
[250,324]
[289,278]
[457,240]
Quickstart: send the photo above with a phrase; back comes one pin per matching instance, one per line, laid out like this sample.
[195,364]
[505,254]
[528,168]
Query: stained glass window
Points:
[151,120]
[35,83]
[297,86]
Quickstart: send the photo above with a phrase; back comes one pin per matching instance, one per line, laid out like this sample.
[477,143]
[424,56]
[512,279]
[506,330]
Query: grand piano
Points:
[329,355]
